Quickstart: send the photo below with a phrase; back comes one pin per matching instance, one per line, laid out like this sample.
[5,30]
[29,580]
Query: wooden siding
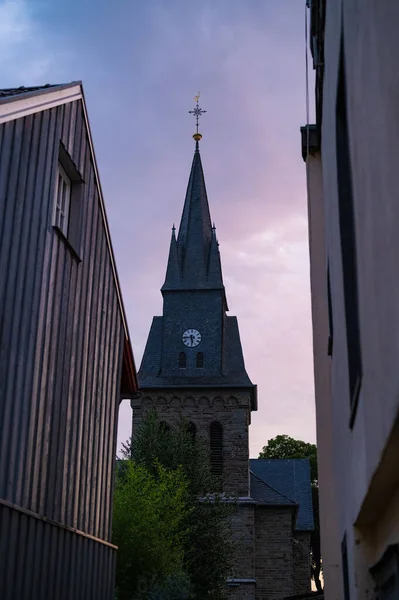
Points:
[40,560]
[61,332]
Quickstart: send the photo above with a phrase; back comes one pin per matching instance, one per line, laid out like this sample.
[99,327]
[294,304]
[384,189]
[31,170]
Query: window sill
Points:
[355,401]
[67,243]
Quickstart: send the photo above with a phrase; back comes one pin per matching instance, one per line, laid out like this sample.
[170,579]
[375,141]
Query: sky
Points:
[141,63]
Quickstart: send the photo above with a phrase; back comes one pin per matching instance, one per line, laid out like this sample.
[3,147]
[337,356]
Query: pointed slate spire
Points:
[195,232]
[194,260]
[172,279]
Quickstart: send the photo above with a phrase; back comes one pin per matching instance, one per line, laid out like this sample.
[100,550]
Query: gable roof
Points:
[265,494]
[19,102]
[291,479]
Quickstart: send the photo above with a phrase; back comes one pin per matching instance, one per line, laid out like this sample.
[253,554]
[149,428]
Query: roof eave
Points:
[39,92]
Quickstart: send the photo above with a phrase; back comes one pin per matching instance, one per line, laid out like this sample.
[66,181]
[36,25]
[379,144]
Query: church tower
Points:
[193,364]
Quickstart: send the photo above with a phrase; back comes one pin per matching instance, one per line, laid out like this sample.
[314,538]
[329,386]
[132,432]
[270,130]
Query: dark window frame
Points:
[330,315]
[182,360]
[345,568]
[216,448]
[72,234]
[348,240]
[199,360]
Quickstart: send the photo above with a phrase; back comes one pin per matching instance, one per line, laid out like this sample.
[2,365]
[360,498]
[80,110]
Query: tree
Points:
[283,446]
[150,510]
[209,550]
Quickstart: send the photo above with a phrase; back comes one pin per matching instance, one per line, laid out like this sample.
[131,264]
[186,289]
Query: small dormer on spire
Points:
[173,276]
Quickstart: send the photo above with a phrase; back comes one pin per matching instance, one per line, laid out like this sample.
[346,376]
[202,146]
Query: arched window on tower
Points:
[192,430]
[182,360]
[216,441]
[200,360]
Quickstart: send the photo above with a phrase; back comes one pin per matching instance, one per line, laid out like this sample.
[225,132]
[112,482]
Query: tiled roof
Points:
[234,373]
[10,94]
[24,90]
[263,493]
[291,479]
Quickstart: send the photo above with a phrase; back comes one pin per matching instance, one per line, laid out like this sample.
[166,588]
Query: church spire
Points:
[194,260]
[172,278]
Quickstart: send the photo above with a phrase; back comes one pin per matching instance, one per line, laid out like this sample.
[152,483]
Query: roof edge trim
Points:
[22,105]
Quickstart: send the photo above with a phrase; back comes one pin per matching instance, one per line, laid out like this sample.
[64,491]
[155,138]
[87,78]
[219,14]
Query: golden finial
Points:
[197,112]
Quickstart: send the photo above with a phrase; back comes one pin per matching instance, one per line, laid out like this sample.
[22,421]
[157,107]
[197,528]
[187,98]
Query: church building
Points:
[193,366]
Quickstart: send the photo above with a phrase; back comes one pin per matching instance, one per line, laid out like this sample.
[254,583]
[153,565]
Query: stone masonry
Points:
[231,408]
[274,553]
[301,552]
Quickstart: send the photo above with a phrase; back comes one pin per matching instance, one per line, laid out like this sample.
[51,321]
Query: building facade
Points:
[352,172]
[193,366]
[65,353]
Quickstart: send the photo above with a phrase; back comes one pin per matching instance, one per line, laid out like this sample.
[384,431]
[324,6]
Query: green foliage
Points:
[175,587]
[173,448]
[208,548]
[150,510]
[210,551]
[284,446]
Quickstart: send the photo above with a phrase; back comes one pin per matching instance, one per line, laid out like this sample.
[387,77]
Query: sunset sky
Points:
[141,63]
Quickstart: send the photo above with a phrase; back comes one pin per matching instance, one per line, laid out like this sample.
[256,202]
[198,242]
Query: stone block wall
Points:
[242,584]
[243,522]
[231,408]
[301,554]
[273,553]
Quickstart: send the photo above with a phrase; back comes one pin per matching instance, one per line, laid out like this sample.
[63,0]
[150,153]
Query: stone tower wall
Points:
[231,408]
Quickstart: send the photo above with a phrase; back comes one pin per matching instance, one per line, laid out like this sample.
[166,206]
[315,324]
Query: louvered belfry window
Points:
[182,360]
[216,439]
[192,430]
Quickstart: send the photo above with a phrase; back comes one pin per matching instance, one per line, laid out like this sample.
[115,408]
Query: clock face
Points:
[191,338]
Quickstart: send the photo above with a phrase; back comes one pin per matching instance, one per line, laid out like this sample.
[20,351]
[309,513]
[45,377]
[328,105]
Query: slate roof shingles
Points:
[291,478]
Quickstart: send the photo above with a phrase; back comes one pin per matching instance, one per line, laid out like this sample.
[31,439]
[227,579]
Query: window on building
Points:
[345,569]
[62,200]
[216,443]
[348,237]
[182,360]
[192,430]
[386,574]
[330,317]
[69,191]
[199,360]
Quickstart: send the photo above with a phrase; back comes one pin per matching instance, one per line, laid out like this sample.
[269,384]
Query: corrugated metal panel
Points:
[44,561]
[61,345]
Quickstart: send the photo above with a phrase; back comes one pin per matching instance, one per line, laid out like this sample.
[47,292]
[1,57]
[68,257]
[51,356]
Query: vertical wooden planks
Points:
[61,340]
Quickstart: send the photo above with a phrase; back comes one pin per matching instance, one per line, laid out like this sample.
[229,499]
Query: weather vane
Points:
[197,112]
